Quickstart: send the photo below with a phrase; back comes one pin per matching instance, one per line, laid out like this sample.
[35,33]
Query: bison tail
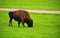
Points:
[10,13]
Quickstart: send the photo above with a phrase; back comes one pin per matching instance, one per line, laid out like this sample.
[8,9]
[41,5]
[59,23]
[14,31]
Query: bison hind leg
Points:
[10,22]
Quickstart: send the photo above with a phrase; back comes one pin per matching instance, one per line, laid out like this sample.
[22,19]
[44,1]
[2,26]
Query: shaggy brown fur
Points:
[20,16]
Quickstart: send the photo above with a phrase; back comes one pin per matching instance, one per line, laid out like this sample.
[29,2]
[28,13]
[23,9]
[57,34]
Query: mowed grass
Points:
[31,4]
[44,26]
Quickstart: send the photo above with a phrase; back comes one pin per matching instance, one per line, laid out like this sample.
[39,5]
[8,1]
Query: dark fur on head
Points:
[29,22]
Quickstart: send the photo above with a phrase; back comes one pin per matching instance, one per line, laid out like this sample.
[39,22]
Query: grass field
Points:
[31,4]
[45,26]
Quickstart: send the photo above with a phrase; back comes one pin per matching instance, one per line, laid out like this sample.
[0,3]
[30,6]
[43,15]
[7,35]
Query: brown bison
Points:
[21,16]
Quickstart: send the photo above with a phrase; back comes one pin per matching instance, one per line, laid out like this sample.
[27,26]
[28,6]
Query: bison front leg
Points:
[10,22]
[18,23]
[23,24]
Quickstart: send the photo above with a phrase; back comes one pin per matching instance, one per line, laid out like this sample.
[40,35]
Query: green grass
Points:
[31,4]
[45,26]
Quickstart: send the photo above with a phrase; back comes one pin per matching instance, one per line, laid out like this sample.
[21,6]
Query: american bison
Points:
[21,16]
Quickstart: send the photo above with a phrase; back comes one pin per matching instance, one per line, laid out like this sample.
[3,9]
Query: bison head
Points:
[29,22]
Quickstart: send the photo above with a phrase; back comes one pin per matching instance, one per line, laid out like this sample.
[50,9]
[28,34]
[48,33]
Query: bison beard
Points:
[20,16]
